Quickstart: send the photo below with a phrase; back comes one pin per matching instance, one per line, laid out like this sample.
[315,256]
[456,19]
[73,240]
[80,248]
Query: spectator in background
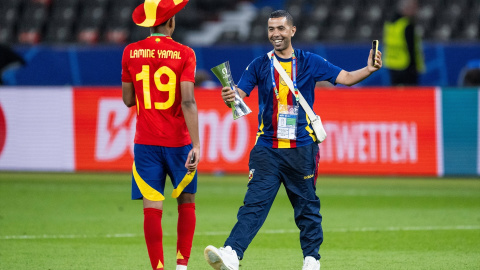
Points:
[403,53]
[158,77]
[8,59]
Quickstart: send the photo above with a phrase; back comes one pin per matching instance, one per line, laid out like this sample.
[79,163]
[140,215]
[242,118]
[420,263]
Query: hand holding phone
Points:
[192,158]
[375,49]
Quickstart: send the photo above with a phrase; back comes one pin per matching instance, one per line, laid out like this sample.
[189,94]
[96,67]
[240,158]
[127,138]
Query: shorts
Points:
[151,166]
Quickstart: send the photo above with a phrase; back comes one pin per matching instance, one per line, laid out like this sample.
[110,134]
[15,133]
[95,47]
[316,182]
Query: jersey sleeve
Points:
[126,77]
[323,70]
[249,80]
[189,69]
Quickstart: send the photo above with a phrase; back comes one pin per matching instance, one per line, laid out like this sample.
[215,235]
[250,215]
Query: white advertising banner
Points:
[36,129]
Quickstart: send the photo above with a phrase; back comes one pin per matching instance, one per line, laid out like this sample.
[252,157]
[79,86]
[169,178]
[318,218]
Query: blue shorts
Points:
[151,166]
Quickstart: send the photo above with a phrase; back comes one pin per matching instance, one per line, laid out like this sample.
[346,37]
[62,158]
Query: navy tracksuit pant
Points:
[269,167]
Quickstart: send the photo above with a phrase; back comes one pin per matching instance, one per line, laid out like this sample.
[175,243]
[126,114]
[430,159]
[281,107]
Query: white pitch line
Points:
[225,233]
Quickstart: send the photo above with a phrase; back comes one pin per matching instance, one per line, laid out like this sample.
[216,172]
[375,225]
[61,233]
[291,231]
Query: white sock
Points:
[181,267]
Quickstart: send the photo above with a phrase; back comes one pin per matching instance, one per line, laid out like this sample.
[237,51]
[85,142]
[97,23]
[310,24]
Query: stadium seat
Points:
[12,3]
[344,3]
[120,15]
[88,29]
[337,32]
[310,33]
[29,35]
[189,17]
[95,3]
[372,13]
[59,33]
[426,18]
[447,21]
[91,21]
[30,26]
[66,3]
[469,29]
[89,35]
[43,2]
[138,33]
[229,36]
[118,22]
[295,9]
[64,14]
[347,14]
[435,3]
[211,8]
[320,14]
[341,24]
[34,13]
[7,34]
[8,15]
[258,27]
[118,35]
[258,33]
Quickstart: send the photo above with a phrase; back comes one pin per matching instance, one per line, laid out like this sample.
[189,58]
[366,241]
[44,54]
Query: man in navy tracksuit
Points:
[286,151]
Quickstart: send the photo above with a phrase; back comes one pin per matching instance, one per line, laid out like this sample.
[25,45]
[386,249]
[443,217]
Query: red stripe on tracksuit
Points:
[275,112]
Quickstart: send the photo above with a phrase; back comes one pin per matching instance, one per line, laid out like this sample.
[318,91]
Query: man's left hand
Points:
[378,62]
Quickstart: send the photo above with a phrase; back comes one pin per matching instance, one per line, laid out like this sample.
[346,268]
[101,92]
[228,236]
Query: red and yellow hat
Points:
[155,12]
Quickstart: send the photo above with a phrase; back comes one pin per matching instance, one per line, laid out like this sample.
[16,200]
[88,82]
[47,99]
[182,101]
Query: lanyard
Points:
[294,70]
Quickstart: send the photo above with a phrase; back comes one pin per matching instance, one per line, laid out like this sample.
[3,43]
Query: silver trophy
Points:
[223,73]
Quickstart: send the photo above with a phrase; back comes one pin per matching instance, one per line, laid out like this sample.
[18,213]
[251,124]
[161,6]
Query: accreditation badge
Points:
[287,122]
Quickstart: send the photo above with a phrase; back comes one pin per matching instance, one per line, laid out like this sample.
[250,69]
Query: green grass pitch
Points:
[87,221]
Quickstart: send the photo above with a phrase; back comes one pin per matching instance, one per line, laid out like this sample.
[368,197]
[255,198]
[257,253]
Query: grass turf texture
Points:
[87,221]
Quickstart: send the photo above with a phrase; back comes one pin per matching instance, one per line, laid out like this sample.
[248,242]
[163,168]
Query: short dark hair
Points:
[282,13]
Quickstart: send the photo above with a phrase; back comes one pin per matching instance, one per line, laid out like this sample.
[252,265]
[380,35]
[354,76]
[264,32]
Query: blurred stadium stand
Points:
[208,22]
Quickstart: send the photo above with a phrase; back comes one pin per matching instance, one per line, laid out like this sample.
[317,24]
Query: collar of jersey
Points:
[280,59]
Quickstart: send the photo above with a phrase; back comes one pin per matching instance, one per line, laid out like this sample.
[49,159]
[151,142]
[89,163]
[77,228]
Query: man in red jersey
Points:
[158,77]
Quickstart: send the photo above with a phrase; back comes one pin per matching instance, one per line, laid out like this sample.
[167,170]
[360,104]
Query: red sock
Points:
[185,231]
[152,227]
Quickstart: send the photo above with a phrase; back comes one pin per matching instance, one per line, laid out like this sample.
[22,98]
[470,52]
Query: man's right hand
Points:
[228,95]
[192,166]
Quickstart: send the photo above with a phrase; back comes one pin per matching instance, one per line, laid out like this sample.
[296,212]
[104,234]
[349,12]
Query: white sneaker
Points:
[310,263]
[181,267]
[223,258]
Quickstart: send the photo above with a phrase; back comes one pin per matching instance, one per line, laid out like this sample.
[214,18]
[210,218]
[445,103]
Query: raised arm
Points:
[189,108]
[354,77]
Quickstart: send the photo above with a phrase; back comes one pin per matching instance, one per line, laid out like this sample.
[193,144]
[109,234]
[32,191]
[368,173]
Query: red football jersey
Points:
[156,66]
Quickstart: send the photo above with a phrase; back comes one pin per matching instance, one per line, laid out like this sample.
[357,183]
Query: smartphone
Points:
[192,159]
[375,49]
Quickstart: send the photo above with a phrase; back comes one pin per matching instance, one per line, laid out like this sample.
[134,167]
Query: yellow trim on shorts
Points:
[183,184]
[147,191]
